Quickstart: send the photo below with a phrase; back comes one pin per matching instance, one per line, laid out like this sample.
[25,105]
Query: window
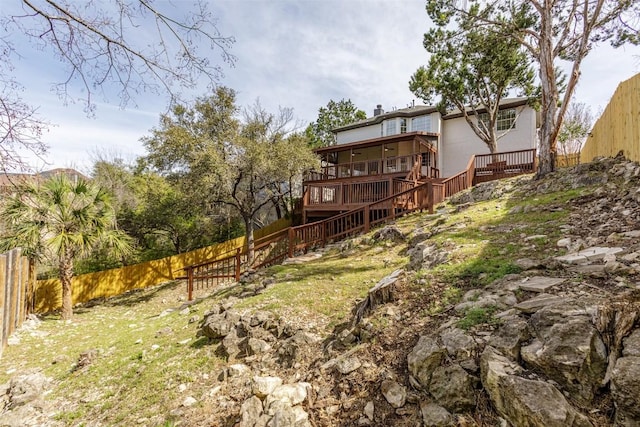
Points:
[421,123]
[483,118]
[403,125]
[391,127]
[506,119]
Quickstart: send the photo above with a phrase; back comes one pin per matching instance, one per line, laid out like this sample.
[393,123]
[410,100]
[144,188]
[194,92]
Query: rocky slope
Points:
[555,344]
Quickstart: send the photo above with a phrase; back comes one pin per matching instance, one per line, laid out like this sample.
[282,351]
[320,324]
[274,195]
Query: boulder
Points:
[216,326]
[389,233]
[631,344]
[525,402]
[453,388]
[424,358]
[625,389]
[26,388]
[291,394]
[568,349]
[426,256]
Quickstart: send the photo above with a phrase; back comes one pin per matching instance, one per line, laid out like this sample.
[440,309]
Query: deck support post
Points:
[238,261]
[190,283]
[292,236]
[367,224]
[430,196]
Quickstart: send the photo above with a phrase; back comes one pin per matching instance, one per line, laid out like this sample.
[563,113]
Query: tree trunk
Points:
[548,132]
[31,288]
[248,226]
[66,274]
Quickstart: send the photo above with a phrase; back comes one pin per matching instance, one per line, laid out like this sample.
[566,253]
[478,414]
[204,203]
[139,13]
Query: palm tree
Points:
[62,220]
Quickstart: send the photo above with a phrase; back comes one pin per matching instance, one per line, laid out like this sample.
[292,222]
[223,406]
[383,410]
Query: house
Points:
[388,152]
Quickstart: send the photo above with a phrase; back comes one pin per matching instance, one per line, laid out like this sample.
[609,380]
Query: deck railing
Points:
[501,165]
[408,197]
[364,168]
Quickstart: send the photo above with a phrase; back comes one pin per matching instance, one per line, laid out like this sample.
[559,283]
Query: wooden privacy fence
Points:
[618,128]
[15,292]
[103,284]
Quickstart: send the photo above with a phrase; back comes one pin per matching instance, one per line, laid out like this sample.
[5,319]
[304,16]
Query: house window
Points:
[391,127]
[506,119]
[421,123]
[403,125]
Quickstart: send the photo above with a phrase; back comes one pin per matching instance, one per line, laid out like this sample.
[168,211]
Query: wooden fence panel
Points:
[14,282]
[618,129]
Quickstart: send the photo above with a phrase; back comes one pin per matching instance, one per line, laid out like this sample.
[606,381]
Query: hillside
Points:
[517,303]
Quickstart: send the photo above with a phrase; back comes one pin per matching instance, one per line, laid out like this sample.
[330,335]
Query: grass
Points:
[144,359]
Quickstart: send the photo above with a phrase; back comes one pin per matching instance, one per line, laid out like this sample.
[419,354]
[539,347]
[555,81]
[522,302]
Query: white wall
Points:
[359,134]
[458,142]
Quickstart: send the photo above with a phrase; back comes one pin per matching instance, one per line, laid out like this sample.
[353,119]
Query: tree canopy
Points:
[472,68]
[131,47]
[553,32]
[334,115]
[246,159]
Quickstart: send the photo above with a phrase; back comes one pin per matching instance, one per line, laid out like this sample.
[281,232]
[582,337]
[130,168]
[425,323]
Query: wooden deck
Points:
[374,201]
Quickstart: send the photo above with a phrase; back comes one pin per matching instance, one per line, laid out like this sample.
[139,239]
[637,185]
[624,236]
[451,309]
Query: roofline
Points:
[375,141]
[412,112]
[517,102]
[419,110]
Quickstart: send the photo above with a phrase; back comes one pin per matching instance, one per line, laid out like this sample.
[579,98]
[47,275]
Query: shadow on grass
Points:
[129,298]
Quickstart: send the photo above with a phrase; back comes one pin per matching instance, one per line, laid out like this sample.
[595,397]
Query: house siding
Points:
[359,134]
[458,142]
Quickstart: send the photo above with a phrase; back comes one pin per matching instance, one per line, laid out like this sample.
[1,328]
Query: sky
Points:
[291,53]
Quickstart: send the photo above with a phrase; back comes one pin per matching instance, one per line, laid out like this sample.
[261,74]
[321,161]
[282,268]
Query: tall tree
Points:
[576,125]
[238,162]
[335,114]
[136,46]
[553,31]
[472,69]
[62,220]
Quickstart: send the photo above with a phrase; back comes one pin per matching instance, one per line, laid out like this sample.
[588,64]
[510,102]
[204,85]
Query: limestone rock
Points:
[250,411]
[347,365]
[264,386]
[525,402]
[453,388]
[568,349]
[625,389]
[394,393]
[434,415]
[458,343]
[26,388]
[291,394]
[389,233]
[217,326]
[424,358]
[509,337]
[426,256]
[632,344]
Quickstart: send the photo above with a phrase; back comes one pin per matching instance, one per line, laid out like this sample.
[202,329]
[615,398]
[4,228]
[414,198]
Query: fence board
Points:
[14,278]
[618,128]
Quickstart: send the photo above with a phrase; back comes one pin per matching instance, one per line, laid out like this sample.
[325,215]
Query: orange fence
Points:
[119,280]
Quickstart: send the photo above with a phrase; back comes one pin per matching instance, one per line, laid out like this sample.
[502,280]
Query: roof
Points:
[419,110]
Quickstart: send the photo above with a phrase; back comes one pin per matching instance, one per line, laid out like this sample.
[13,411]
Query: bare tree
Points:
[575,127]
[135,47]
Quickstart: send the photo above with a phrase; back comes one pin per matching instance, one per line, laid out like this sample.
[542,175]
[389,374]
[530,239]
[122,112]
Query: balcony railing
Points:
[364,168]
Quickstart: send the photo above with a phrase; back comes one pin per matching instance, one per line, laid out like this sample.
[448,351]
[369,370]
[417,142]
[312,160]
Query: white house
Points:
[454,139]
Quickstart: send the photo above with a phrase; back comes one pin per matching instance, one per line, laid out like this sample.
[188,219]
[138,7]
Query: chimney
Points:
[378,110]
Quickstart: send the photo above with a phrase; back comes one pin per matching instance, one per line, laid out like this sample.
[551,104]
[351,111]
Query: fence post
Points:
[238,261]
[3,300]
[323,232]
[292,236]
